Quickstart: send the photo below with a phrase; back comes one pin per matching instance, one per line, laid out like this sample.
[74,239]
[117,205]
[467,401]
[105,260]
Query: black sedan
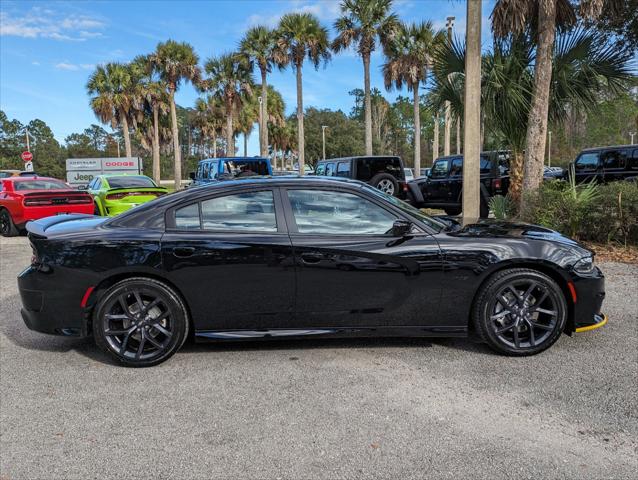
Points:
[301,257]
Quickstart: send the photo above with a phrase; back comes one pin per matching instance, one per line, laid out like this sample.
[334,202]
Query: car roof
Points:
[594,149]
[254,159]
[357,157]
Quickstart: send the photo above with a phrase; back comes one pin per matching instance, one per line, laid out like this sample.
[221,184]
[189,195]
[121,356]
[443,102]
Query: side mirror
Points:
[191,175]
[400,228]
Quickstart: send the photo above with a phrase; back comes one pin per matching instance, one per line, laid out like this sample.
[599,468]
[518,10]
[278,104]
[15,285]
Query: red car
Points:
[29,198]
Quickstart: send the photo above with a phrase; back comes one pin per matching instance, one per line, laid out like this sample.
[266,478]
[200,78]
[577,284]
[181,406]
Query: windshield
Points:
[130,182]
[407,208]
[40,185]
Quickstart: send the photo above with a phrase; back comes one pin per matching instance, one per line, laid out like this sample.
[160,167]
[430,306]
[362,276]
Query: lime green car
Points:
[114,194]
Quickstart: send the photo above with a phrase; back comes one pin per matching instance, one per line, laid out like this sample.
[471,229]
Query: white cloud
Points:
[37,64]
[45,23]
[325,10]
[74,67]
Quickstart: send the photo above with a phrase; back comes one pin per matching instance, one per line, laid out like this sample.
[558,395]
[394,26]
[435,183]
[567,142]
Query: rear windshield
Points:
[130,182]
[40,185]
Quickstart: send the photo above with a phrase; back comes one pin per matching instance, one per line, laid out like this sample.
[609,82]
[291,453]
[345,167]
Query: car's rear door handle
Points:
[183,252]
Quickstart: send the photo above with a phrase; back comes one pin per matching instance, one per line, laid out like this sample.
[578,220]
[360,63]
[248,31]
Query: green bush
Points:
[599,213]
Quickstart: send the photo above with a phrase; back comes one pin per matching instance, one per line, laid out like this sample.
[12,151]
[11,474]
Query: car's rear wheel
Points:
[520,312]
[386,183]
[7,227]
[140,322]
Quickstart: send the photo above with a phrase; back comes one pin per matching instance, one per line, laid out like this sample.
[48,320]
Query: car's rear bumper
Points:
[46,308]
[36,213]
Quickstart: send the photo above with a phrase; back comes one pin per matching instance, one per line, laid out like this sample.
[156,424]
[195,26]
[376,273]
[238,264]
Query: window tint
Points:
[330,169]
[5,174]
[587,161]
[632,164]
[457,167]
[40,185]
[98,184]
[330,212]
[252,211]
[187,218]
[321,169]
[343,169]
[614,159]
[369,167]
[486,165]
[440,169]
[130,182]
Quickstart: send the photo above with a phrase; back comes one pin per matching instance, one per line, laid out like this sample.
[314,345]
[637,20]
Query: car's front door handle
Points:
[183,252]
[311,257]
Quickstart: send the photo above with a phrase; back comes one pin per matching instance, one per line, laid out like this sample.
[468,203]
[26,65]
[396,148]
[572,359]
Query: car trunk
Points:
[48,198]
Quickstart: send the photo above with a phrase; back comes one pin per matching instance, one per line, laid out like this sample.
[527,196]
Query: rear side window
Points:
[249,212]
[321,169]
[440,169]
[330,169]
[614,159]
[457,167]
[369,167]
[343,169]
[587,161]
[486,165]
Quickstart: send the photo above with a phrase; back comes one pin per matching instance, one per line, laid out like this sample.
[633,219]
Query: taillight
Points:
[36,203]
[496,183]
[405,187]
[116,196]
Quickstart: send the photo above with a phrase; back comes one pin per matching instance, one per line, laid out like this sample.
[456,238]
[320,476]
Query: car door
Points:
[232,255]
[614,162]
[587,166]
[351,271]
[437,187]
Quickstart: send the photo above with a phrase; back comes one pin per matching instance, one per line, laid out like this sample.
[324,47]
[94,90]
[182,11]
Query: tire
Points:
[523,325]
[386,183]
[7,227]
[140,341]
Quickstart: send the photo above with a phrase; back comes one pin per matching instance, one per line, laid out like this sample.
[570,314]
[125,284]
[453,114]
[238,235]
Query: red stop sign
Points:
[27,156]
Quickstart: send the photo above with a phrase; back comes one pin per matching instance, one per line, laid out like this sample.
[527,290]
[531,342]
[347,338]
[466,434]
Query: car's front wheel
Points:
[140,322]
[520,312]
[7,227]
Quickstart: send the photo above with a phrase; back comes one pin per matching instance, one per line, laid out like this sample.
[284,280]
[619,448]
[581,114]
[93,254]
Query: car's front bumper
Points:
[601,320]
[589,294]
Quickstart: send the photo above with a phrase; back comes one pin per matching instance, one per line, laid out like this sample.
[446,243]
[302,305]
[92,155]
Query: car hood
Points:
[489,228]
[60,225]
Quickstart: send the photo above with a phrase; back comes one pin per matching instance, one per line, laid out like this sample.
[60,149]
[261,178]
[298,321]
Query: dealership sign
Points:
[80,171]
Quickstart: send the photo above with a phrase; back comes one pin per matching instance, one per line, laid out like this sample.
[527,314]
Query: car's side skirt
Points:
[382,331]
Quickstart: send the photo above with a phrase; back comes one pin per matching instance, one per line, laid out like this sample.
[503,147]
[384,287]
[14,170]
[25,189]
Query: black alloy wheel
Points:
[520,312]
[140,322]
[7,227]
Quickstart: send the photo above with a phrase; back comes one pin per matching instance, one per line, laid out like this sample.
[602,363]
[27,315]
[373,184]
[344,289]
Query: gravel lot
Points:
[321,409]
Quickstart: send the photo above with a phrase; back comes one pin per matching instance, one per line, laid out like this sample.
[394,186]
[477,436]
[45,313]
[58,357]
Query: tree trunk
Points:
[215,145]
[300,132]
[127,136]
[176,151]
[245,144]
[435,142]
[537,120]
[367,103]
[417,133]
[458,136]
[516,176]
[263,124]
[447,129]
[230,138]
[156,146]
[472,120]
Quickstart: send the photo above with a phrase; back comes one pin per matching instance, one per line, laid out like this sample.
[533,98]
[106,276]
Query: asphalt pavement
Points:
[399,408]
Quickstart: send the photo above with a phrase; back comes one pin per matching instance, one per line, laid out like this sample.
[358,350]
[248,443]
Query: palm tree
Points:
[175,62]
[111,87]
[258,45]
[151,97]
[300,35]
[210,118]
[248,115]
[230,79]
[365,22]
[542,18]
[583,67]
[409,55]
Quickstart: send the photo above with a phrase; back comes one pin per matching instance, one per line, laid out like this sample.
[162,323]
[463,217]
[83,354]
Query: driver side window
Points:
[338,213]
[587,161]
[440,169]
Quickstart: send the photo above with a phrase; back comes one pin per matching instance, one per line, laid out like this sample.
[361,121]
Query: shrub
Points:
[600,213]
[502,207]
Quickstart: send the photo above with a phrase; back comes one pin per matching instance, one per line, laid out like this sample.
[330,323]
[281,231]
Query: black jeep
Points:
[443,186]
[383,172]
[606,164]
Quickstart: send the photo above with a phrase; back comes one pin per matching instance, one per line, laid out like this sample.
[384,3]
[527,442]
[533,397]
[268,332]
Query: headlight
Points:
[585,265]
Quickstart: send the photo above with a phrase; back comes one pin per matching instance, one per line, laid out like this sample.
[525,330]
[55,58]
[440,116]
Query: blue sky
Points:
[48,49]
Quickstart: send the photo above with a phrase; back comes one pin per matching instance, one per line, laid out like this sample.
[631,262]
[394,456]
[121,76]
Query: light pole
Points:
[323,140]
[549,149]
[631,134]
[435,143]
[448,111]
